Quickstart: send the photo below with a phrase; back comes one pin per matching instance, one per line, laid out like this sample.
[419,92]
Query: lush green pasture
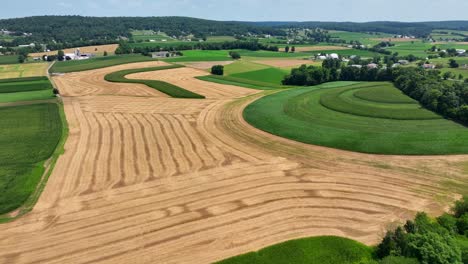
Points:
[220,38]
[364,38]
[271,54]
[96,63]
[243,66]
[8,59]
[26,96]
[229,80]
[202,55]
[418,48]
[298,114]
[315,250]
[33,134]
[25,89]
[373,101]
[161,86]
[268,75]
[24,84]
[150,35]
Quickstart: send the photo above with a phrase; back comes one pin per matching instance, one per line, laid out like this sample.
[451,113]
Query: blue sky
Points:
[249,10]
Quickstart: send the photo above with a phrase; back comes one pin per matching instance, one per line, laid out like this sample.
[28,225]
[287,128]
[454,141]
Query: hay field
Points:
[23,70]
[99,49]
[150,179]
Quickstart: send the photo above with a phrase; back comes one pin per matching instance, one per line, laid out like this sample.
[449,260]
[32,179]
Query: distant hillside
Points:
[419,29]
[68,29]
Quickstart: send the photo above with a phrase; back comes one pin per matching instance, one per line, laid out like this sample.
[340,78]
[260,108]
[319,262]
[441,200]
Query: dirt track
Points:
[150,179]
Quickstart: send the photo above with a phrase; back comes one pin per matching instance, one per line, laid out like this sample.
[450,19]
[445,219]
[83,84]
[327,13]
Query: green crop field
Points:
[418,48]
[220,38]
[364,38]
[96,63]
[167,88]
[33,134]
[271,54]
[350,116]
[269,75]
[202,55]
[315,250]
[25,89]
[26,96]
[24,84]
[8,59]
[243,66]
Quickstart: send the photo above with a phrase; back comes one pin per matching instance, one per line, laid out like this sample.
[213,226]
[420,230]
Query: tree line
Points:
[448,98]
[429,241]
[125,48]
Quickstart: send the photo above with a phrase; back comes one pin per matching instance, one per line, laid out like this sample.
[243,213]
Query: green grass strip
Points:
[97,63]
[314,250]
[164,87]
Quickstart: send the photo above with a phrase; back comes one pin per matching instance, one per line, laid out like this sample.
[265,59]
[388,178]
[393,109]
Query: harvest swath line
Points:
[162,180]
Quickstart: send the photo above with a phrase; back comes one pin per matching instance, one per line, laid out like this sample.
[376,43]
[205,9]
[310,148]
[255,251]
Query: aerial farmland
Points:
[183,140]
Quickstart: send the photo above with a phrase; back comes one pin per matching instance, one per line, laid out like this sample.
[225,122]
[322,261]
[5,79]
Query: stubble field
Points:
[162,180]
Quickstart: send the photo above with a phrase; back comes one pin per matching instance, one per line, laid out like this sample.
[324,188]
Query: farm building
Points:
[403,62]
[77,55]
[372,66]
[429,66]
[333,56]
[161,54]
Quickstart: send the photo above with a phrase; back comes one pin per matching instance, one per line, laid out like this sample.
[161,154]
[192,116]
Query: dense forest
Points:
[101,30]
[69,31]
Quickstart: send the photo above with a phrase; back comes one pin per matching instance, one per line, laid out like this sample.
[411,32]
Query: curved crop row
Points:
[161,86]
[344,100]
[299,115]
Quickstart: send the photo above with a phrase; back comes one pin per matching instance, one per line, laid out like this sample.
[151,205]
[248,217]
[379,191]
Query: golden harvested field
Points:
[318,48]
[110,48]
[151,179]
[23,70]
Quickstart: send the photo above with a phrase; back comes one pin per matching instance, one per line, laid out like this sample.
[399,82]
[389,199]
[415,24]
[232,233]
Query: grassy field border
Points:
[164,87]
[51,162]
[313,250]
[321,126]
[90,64]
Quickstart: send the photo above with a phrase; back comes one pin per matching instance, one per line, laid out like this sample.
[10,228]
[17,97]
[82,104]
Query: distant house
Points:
[321,57]
[77,55]
[164,54]
[461,51]
[32,45]
[333,56]
[429,66]
[396,65]
[161,54]
[403,62]
[356,66]
[372,66]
